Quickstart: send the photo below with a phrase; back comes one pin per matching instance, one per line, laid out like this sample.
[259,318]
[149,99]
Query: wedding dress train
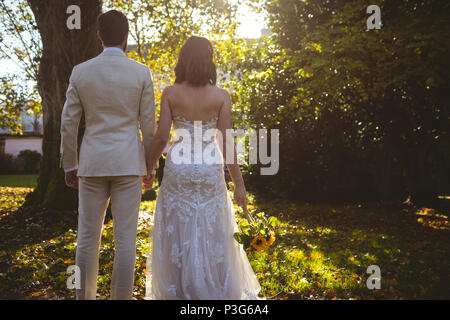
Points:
[193,252]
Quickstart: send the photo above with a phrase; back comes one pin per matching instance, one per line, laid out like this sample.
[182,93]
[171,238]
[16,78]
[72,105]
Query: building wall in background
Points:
[31,138]
[15,144]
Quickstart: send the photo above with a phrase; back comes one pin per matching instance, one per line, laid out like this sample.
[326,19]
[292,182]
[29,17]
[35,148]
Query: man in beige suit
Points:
[116,96]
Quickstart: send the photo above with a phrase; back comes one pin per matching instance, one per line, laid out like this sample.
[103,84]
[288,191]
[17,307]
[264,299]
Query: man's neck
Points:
[113,48]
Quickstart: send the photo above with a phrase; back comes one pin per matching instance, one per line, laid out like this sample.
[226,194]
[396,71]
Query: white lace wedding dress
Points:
[193,253]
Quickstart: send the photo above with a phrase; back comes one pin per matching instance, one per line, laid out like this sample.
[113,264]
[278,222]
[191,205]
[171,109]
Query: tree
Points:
[367,110]
[20,46]
[158,27]
[62,49]
[14,100]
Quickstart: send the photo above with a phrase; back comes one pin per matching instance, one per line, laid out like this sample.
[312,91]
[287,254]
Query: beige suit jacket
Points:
[116,95]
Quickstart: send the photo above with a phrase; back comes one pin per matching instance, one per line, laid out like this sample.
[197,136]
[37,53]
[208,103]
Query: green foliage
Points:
[6,163]
[26,162]
[30,159]
[19,45]
[366,111]
[159,29]
[19,40]
[256,226]
[14,100]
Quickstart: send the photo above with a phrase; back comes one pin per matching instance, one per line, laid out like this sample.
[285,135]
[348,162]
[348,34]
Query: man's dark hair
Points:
[195,63]
[112,26]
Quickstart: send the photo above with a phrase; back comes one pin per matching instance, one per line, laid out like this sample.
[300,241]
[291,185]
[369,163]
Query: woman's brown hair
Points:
[195,63]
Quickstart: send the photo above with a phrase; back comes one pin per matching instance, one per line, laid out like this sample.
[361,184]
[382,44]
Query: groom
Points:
[116,96]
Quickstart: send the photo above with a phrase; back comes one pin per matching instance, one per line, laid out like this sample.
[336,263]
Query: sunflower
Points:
[259,243]
[270,239]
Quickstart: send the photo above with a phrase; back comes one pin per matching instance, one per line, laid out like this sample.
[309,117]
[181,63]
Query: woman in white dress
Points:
[194,255]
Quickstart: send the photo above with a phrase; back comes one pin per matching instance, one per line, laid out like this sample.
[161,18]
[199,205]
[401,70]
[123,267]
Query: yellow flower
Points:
[271,239]
[259,243]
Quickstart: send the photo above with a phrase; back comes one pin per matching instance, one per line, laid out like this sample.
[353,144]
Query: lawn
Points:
[321,251]
[18,180]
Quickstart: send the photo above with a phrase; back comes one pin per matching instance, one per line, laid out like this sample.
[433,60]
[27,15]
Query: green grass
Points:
[321,251]
[18,180]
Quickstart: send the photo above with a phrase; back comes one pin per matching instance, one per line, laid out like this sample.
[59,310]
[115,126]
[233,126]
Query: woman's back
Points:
[195,103]
[195,111]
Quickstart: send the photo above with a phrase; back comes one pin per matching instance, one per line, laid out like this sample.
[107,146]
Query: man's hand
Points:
[147,182]
[72,179]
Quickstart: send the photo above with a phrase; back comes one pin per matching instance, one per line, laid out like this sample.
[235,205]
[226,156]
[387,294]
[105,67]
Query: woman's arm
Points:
[224,123]
[162,136]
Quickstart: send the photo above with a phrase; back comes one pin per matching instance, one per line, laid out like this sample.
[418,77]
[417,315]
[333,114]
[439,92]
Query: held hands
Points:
[72,179]
[147,182]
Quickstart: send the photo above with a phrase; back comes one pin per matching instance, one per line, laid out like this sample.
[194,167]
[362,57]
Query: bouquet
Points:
[256,233]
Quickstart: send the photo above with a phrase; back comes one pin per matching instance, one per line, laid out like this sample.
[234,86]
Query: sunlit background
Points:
[251,24]
[363,122]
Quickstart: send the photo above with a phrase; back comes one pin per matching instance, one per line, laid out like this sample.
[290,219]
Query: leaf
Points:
[243,223]
[272,221]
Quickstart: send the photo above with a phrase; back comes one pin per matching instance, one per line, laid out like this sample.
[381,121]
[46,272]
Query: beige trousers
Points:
[124,192]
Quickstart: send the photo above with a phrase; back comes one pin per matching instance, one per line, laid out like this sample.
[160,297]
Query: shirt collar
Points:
[111,49]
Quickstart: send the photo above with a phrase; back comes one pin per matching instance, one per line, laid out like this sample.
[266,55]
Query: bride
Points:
[193,254]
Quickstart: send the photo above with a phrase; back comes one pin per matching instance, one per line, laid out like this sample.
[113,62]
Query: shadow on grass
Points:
[24,233]
[321,251]
[338,243]
[37,246]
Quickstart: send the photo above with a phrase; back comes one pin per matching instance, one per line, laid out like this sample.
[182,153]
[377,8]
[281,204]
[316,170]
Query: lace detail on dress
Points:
[193,252]
[182,119]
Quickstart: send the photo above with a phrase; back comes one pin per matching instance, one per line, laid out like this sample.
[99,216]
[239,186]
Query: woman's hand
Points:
[240,196]
[147,182]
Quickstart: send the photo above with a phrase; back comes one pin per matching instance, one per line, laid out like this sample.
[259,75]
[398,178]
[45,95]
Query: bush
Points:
[354,126]
[28,161]
[7,165]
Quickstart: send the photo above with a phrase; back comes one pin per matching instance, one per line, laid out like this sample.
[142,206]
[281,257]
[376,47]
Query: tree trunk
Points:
[62,50]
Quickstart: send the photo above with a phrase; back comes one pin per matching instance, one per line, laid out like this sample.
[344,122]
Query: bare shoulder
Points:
[223,94]
[169,90]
